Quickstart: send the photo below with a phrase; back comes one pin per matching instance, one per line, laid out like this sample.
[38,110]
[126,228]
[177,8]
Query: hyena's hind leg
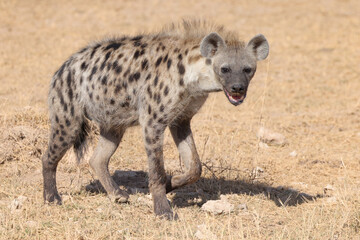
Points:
[64,134]
[108,142]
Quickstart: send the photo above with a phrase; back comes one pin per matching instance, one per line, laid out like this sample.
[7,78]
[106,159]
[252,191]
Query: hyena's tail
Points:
[80,143]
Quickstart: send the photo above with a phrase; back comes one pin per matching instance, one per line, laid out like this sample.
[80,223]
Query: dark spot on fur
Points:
[118,69]
[181,68]
[72,111]
[105,90]
[125,104]
[150,121]
[97,97]
[61,139]
[142,52]
[149,109]
[144,64]
[149,91]
[186,51]
[124,84]
[137,38]
[104,80]
[63,132]
[126,72]
[120,55]
[166,91]
[117,89]
[131,78]
[94,50]
[68,123]
[161,85]
[137,76]
[162,108]
[70,94]
[56,119]
[113,46]
[156,80]
[166,58]
[158,100]
[180,57]
[154,116]
[158,61]
[208,61]
[93,71]
[112,101]
[148,140]
[148,76]
[144,45]
[181,82]
[161,120]
[136,54]
[169,63]
[83,66]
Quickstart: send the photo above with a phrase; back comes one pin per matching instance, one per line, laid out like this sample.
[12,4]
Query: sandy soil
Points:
[308,90]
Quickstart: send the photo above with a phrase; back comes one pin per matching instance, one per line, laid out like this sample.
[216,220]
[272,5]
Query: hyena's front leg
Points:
[153,139]
[184,141]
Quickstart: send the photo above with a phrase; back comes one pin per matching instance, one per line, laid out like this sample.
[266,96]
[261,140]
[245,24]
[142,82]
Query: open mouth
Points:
[235,98]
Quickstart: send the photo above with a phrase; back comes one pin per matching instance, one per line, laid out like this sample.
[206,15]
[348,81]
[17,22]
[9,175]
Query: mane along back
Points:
[196,30]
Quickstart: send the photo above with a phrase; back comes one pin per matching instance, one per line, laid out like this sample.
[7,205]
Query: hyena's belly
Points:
[111,112]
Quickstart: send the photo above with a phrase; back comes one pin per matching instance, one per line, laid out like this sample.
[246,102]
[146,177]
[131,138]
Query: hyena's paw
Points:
[52,198]
[119,197]
[163,209]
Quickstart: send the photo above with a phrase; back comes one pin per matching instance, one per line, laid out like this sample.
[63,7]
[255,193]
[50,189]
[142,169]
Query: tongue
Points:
[237,98]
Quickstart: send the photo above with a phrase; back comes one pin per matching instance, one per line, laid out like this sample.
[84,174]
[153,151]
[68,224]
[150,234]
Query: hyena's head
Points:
[234,66]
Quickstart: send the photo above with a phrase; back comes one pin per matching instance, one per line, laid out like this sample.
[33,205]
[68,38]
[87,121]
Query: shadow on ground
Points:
[207,189]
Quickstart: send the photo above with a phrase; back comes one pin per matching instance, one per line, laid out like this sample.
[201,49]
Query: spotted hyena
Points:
[153,80]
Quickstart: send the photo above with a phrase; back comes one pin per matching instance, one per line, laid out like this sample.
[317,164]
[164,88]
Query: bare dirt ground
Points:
[308,90]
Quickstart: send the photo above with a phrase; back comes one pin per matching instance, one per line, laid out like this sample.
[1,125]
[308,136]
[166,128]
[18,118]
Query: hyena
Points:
[152,80]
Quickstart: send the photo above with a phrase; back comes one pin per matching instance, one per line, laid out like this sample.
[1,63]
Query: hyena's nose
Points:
[238,88]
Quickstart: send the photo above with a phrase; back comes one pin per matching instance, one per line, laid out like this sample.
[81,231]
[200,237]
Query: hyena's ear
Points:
[210,45]
[259,46]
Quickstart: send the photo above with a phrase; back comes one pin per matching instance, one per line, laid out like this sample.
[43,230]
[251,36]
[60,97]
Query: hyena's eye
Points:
[247,70]
[225,70]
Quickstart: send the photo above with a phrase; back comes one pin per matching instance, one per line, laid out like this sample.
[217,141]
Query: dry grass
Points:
[307,90]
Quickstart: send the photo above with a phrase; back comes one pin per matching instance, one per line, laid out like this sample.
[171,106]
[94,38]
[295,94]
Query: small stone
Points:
[135,190]
[263,145]
[331,200]
[203,233]
[271,138]
[256,172]
[328,190]
[293,154]
[146,201]
[31,224]
[17,203]
[218,206]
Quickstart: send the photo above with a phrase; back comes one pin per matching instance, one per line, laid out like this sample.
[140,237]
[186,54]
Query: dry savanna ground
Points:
[308,90]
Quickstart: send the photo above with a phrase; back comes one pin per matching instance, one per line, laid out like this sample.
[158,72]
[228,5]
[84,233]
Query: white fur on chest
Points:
[200,78]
